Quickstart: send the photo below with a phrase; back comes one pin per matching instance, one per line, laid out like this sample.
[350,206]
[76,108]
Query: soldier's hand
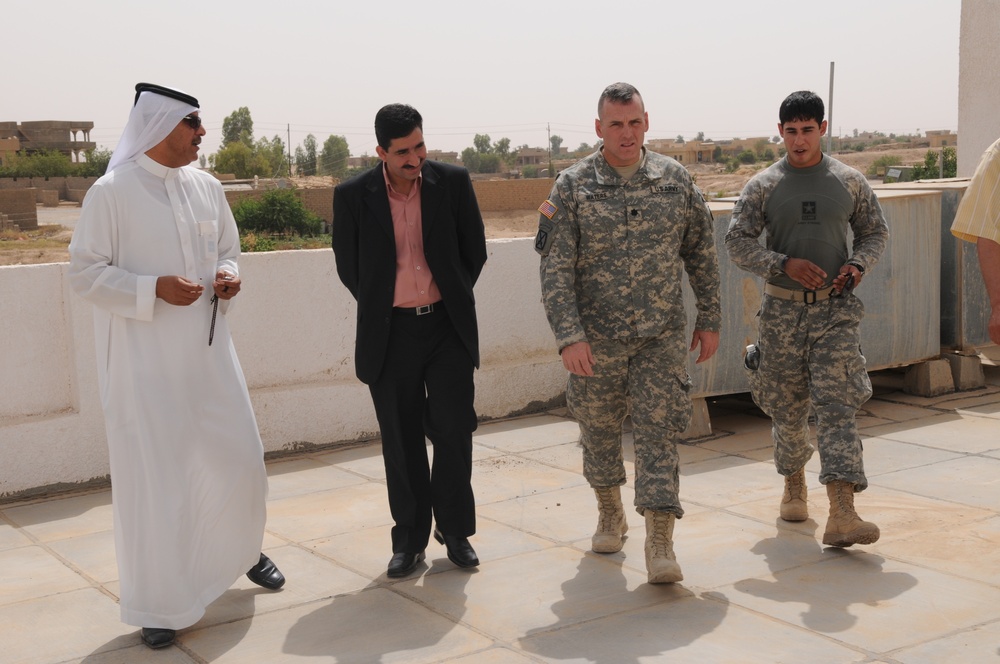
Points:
[578,359]
[177,290]
[709,344]
[840,282]
[807,273]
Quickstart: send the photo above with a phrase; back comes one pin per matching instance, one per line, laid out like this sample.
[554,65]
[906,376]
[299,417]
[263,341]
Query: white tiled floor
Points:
[756,589]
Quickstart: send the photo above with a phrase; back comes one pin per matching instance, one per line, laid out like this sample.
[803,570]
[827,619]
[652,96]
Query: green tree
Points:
[237,127]
[97,163]
[470,159]
[305,156]
[555,141]
[273,153]
[950,158]
[241,160]
[502,150]
[583,149]
[930,168]
[747,157]
[43,163]
[883,162]
[489,163]
[482,144]
[278,212]
[679,139]
[717,154]
[700,137]
[333,157]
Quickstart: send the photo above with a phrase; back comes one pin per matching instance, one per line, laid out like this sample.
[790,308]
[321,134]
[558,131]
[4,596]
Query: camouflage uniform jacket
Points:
[800,233]
[612,252]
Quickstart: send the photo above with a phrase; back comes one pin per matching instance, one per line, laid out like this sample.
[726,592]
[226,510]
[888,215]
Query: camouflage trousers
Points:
[810,357]
[649,378]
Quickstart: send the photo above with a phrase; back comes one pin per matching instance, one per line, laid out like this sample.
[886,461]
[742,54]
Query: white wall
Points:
[293,326]
[978,82]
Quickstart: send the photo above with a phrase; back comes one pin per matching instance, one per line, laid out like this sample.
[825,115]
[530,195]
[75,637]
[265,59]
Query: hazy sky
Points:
[507,69]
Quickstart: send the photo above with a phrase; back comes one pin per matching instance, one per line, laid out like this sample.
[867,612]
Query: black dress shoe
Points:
[403,563]
[266,574]
[460,551]
[156,637]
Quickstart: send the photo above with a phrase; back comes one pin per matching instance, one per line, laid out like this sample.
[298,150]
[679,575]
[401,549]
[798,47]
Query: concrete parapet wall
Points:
[296,344]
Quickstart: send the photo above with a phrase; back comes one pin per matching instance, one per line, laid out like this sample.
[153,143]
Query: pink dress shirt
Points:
[414,282]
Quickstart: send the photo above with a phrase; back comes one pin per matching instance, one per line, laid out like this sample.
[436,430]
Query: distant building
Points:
[942,138]
[52,135]
[8,148]
[446,157]
[691,152]
[364,161]
[531,157]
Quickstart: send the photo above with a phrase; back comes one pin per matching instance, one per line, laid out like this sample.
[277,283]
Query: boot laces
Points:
[660,539]
[607,509]
[796,481]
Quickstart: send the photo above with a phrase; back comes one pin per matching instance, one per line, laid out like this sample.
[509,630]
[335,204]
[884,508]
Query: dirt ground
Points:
[710,178]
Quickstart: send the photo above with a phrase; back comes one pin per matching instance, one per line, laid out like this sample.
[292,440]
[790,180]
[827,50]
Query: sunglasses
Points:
[193,121]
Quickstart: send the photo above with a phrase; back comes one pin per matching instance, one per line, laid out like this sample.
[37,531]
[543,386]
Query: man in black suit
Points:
[410,244]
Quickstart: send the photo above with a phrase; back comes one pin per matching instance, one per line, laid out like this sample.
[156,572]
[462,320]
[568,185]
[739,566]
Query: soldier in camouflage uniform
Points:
[614,235]
[808,353]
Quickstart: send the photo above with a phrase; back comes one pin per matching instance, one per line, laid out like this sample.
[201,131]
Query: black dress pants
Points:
[426,389]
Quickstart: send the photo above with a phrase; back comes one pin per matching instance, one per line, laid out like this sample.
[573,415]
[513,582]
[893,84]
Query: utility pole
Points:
[548,144]
[289,146]
[829,123]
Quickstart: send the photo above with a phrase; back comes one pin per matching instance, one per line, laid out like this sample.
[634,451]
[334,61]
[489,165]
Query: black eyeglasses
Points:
[193,121]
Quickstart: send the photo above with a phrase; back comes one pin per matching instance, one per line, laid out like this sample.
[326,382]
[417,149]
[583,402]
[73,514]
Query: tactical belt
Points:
[804,296]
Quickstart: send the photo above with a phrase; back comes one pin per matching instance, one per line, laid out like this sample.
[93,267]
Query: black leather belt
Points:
[419,311]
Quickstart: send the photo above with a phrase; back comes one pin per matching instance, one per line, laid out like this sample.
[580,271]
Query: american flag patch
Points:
[547,208]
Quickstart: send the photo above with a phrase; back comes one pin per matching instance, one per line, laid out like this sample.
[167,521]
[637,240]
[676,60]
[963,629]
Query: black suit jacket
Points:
[365,249]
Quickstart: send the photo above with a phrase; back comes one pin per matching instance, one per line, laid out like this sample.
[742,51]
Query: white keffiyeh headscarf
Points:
[152,119]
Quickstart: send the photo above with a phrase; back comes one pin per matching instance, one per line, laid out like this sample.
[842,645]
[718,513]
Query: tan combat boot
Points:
[661,564]
[611,524]
[793,503]
[844,526]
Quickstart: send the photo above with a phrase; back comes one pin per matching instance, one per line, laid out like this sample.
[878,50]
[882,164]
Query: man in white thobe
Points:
[155,251]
